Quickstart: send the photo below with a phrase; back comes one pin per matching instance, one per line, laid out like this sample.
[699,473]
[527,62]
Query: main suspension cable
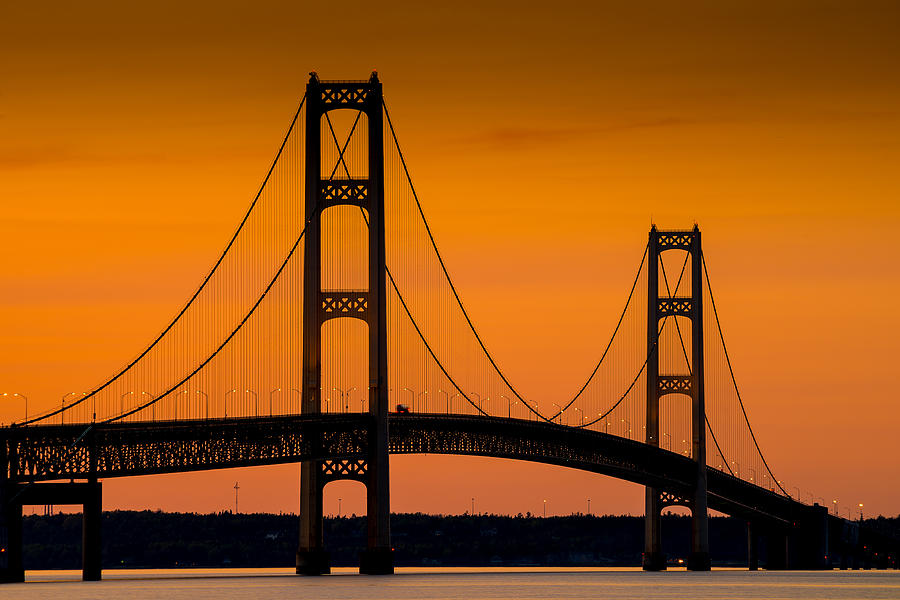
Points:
[224,343]
[734,380]
[190,301]
[456,295]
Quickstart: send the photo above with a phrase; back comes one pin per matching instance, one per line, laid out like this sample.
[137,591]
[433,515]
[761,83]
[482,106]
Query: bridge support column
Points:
[811,539]
[777,551]
[653,558]
[91,550]
[11,568]
[312,559]
[752,548]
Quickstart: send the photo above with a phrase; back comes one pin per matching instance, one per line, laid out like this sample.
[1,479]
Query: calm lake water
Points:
[446,584]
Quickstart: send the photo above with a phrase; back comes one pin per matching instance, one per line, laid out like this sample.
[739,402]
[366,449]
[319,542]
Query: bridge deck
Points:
[82,451]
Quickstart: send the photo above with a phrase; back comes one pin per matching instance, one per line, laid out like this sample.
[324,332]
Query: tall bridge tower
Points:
[367,304]
[690,384]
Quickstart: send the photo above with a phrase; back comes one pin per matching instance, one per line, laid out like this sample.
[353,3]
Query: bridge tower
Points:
[691,384]
[369,305]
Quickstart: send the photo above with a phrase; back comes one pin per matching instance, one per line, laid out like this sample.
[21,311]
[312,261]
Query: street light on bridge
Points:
[509,405]
[255,401]
[122,401]
[478,396]
[152,404]
[62,406]
[582,416]
[205,395]
[270,400]
[344,395]
[412,396]
[23,397]
[175,407]
[225,407]
[446,398]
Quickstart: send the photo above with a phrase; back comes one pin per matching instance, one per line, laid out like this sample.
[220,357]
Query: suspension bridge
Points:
[329,332]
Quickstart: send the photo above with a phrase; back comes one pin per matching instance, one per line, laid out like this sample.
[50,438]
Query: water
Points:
[451,584]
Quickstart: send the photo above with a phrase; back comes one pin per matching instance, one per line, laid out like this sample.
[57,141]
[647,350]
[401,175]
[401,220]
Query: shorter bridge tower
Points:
[690,384]
[369,305]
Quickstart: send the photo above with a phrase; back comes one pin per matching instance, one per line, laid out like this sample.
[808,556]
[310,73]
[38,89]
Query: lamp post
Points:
[62,406]
[559,412]
[627,428]
[752,473]
[175,407]
[122,401]
[271,412]
[589,507]
[424,407]
[344,395]
[225,407]
[23,397]
[446,398]
[152,405]
[835,504]
[255,401]
[412,397]
[860,512]
[666,435]
[508,405]
[206,396]
[478,396]
[545,508]
[581,424]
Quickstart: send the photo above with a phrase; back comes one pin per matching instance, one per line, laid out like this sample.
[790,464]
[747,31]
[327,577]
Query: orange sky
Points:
[543,136]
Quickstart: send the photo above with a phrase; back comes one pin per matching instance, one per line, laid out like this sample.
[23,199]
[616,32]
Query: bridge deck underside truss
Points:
[46,453]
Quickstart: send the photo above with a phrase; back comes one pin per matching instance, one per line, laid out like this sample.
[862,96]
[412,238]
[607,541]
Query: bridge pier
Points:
[11,568]
[810,539]
[653,559]
[91,549]
[777,550]
[752,548]
[312,559]
[16,495]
